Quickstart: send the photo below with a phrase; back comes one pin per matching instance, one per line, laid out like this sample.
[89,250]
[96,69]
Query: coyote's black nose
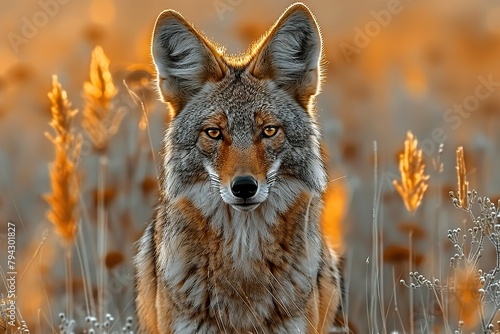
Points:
[244,187]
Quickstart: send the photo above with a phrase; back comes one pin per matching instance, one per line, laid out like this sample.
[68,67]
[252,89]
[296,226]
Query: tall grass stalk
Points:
[410,261]
[102,237]
[40,312]
[99,120]
[85,248]
[69,282]
[414,181]
[83,260]
[376,307]
[395,296]
[64,179]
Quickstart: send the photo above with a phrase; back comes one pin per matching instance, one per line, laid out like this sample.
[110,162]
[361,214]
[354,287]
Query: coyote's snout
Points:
[245,173]
[236,244]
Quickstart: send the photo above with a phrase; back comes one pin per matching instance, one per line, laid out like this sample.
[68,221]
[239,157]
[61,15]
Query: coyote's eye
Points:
[269,131]
[214,133]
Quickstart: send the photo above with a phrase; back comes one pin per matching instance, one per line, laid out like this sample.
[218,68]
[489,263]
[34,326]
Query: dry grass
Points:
[466,285]
[100,121]
[64,179]
[414,181]
[469,298]
[463,184]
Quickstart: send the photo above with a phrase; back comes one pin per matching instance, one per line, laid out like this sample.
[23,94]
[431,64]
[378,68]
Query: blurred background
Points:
[432,67]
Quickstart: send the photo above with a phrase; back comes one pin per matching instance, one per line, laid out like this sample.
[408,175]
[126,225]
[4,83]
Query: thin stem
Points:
[84,254]
[493,315]
[69,282]
[375,251]
[101,235]
[410,234]
[396,308]
[86,281]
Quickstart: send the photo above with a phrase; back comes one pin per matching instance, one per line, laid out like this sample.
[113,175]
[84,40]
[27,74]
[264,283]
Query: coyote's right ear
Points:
[185,60]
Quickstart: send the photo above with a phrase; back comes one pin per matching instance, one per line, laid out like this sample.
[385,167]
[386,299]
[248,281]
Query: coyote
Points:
[236,244]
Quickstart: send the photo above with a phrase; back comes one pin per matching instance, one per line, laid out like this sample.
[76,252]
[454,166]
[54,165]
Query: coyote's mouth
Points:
[245,207]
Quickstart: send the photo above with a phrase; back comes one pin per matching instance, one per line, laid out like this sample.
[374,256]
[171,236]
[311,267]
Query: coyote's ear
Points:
[290,54]
[185,60]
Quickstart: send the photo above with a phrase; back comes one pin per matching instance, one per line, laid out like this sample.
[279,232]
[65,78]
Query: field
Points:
[409,111]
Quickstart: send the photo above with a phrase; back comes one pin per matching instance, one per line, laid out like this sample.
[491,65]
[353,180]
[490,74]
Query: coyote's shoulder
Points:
[236,244]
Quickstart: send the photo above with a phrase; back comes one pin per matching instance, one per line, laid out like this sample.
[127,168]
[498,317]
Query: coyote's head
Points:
[243,125]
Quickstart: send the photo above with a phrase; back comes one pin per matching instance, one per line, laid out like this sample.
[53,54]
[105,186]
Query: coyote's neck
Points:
[245,233]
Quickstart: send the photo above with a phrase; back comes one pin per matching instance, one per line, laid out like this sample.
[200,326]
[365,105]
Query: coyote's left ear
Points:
[290,54]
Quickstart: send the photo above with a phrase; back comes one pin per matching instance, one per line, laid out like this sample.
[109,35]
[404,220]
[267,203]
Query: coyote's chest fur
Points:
[238,270]
[236,244]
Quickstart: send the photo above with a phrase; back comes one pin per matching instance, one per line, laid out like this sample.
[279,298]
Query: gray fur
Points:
[293,54]
[198,83]
[239,96]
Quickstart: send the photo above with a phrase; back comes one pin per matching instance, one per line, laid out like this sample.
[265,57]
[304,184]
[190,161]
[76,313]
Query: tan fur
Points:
[156,312]
[206,263]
